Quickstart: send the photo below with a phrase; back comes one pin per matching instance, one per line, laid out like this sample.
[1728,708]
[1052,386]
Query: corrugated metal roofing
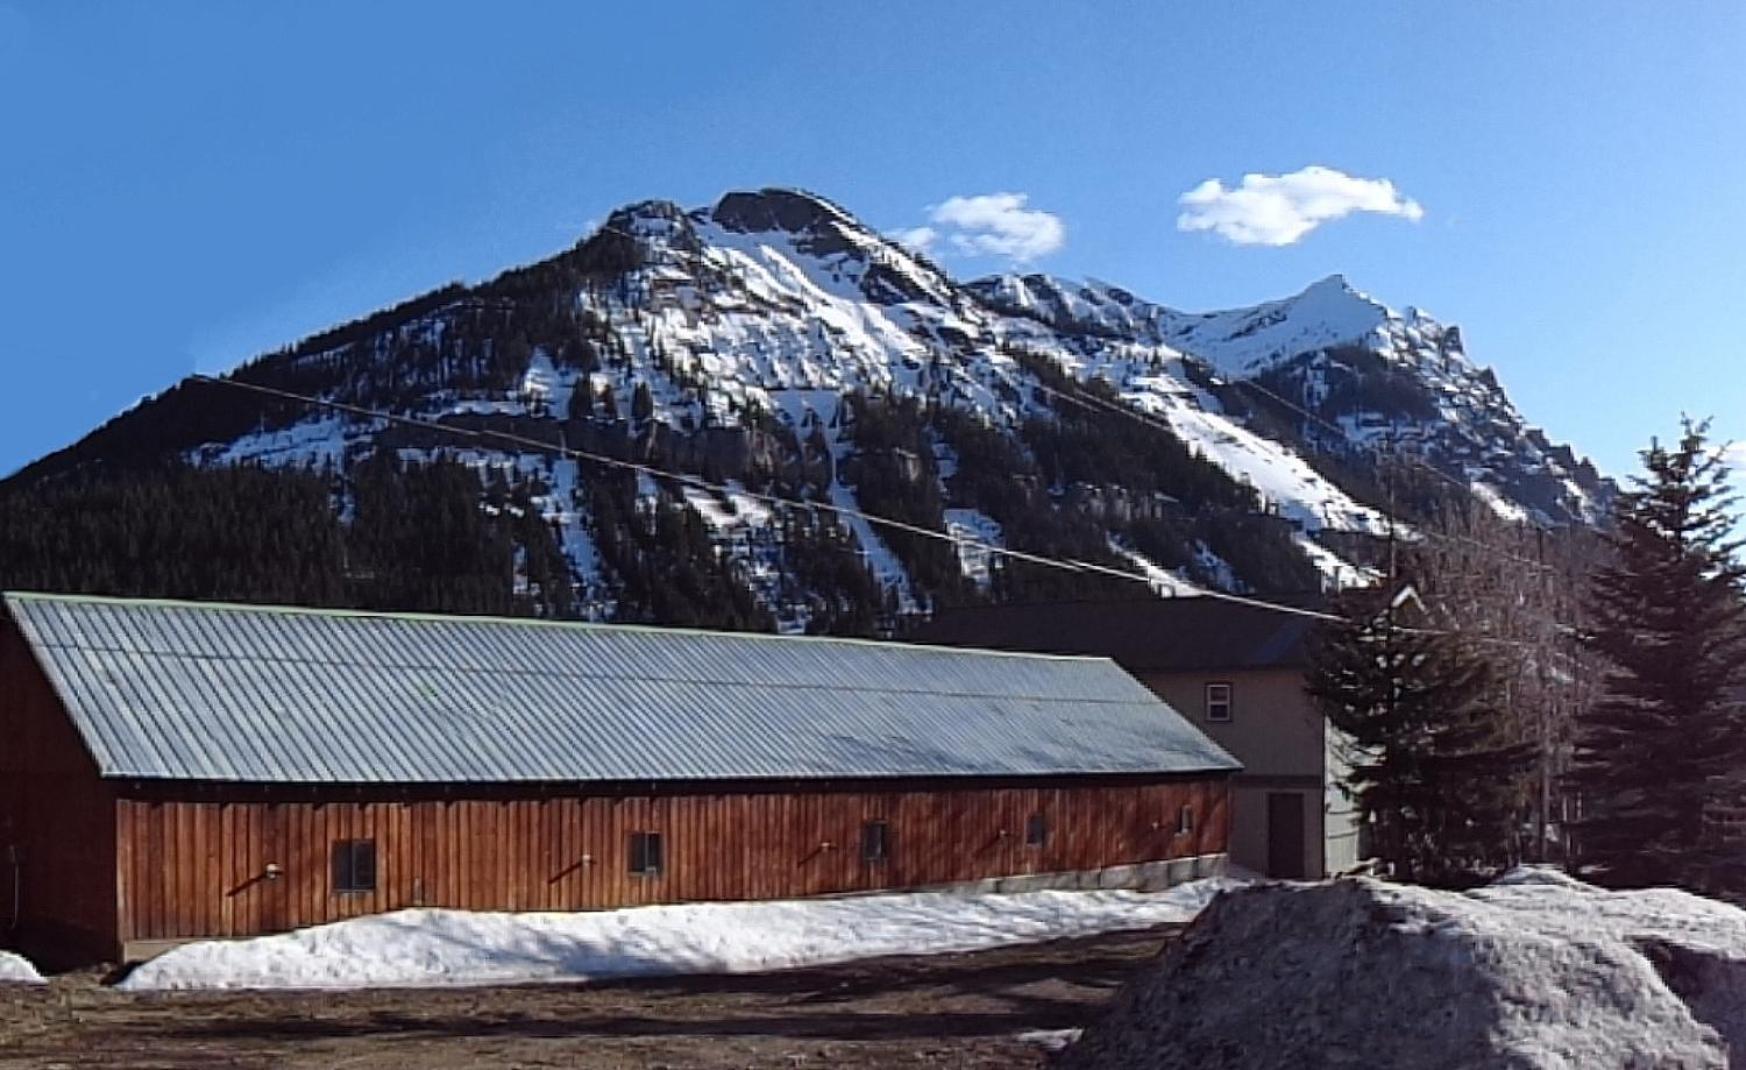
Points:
[202,691]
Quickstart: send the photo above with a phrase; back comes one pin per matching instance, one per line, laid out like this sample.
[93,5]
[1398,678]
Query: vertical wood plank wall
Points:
[57,829]
[191,869]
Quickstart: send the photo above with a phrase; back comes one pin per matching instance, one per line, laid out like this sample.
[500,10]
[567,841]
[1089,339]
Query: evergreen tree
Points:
[582,399]
[1658,756]
[1429,762]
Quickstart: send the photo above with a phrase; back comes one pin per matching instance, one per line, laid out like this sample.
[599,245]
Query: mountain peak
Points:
[643,210]
[1331,284]
[773,208]
[1335,298]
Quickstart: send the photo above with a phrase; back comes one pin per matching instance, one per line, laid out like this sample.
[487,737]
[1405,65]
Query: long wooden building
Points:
[174,771]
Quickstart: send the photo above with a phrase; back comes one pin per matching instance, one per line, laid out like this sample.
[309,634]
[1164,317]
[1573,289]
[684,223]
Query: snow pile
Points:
[17,970]
[1536,971]
[453,947]
[1049,1039]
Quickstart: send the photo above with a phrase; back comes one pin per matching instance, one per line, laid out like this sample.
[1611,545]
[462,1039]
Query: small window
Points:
[354,865]
[875,841]
[1036,830]
[1218,702]
[1185,821]
[645,854]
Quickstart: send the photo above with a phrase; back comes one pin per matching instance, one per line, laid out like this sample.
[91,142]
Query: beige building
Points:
[1237,673]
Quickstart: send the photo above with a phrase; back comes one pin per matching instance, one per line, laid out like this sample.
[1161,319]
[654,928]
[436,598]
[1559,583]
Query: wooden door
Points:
[1285,835]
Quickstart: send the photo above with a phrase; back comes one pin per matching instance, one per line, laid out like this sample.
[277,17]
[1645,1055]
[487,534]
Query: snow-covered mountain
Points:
[778,347]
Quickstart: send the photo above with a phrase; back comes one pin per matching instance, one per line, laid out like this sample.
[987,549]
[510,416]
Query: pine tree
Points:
[1429,762]
[1658,756]
[582,399]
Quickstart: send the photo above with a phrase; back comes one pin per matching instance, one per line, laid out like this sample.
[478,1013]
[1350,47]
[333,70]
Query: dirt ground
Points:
[939,1011]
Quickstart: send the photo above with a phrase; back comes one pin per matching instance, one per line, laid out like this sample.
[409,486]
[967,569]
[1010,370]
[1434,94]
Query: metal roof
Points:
[204,691]
[1183,634]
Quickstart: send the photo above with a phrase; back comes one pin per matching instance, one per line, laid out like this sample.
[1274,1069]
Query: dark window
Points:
[1036,830]
[1218,702]
[1185,821]
[645,853]
[875,841]
[354,865]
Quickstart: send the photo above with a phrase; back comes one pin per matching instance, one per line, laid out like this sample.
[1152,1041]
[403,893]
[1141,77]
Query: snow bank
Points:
[17,970]
[1049,1039]
[1536,971]
[452,947]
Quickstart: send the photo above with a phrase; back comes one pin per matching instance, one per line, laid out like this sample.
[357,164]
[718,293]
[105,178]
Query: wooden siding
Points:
[193,868]
[57,830]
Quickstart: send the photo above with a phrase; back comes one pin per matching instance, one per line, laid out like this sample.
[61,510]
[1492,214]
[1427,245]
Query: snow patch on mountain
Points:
[1162,580]
[976,532]
[1284,480]
[1338,573]
[565,507]
[316,442]
[886,568]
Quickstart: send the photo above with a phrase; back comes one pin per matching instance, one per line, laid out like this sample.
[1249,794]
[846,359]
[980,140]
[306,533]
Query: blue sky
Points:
[185,185]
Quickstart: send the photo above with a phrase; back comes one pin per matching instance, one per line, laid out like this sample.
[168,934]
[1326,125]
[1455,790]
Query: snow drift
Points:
[1535,971]
[452,947]
[15,969]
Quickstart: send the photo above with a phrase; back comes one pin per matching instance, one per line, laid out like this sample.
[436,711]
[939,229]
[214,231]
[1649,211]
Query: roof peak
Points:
[343,612]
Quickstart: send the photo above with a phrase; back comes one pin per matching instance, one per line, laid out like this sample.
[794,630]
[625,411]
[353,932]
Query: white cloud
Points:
[1734,456]
[1280,209]
[989,224]
[921,239]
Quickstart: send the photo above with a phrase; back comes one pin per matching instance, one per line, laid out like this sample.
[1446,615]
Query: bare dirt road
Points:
[940,1011]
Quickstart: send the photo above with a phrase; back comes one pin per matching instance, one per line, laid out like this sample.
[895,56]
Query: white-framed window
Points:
[1185,821]
[1218,702]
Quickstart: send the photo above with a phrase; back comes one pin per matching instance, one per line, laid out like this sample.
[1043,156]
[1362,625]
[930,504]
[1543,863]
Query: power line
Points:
[1093,402]
[1090,402]
[570,452]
